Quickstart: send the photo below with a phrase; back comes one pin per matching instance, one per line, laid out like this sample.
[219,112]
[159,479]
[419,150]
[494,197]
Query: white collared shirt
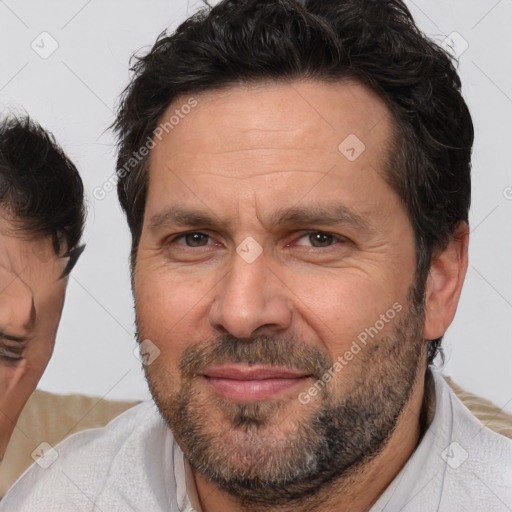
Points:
[460,465]
[134,464]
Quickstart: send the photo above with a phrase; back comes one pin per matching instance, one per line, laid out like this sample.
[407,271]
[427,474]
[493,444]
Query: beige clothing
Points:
[490,415]
[49,417]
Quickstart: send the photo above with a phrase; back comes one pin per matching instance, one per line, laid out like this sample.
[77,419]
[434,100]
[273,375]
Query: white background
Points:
[73,93]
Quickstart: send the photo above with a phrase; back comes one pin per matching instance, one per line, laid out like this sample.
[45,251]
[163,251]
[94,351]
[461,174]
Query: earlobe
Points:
[444,283]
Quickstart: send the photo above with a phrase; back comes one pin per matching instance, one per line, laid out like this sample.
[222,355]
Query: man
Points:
[41,222]
[296,178]
[42,216]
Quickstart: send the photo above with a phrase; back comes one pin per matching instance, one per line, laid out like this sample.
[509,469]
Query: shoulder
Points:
[470,426]
[477,460]
[488,413]
[458,465]
[81,466]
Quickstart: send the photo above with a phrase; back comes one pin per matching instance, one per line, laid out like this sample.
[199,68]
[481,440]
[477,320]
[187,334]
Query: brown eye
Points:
[318,239]
[196,239]
[321,239]
[193,239]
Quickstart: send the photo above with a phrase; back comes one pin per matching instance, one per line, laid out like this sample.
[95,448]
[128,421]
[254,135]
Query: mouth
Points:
[245,383]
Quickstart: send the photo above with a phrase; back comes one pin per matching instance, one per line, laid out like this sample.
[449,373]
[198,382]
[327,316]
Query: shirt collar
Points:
[186,491]
[421,480]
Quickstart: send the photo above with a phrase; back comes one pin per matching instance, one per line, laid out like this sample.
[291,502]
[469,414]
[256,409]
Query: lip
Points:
[246,383]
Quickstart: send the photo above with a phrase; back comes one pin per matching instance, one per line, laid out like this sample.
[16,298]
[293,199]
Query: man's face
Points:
[31,300]
[267,250]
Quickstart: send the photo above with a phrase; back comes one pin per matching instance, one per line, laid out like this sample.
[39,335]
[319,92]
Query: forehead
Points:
[271,134]
[23,252]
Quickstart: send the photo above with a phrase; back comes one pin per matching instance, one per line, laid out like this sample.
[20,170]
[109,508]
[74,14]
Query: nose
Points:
[249,299]
[16,304]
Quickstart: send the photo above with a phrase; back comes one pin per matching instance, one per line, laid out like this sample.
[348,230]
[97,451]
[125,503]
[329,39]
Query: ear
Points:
[444,283]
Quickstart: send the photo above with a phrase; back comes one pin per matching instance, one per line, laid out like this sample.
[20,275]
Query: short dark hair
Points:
[373,42]
[39,185]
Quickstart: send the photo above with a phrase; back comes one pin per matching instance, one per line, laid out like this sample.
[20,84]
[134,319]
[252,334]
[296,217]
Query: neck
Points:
[359,490]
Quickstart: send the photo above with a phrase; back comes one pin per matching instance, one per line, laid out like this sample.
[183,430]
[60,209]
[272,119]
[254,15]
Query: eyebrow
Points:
[320,215]
[17,339]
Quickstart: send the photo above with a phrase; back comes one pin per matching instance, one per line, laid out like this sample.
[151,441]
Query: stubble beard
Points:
[242,448]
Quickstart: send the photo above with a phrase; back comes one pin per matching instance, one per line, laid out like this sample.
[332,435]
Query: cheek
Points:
[168,310]
[348,306]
